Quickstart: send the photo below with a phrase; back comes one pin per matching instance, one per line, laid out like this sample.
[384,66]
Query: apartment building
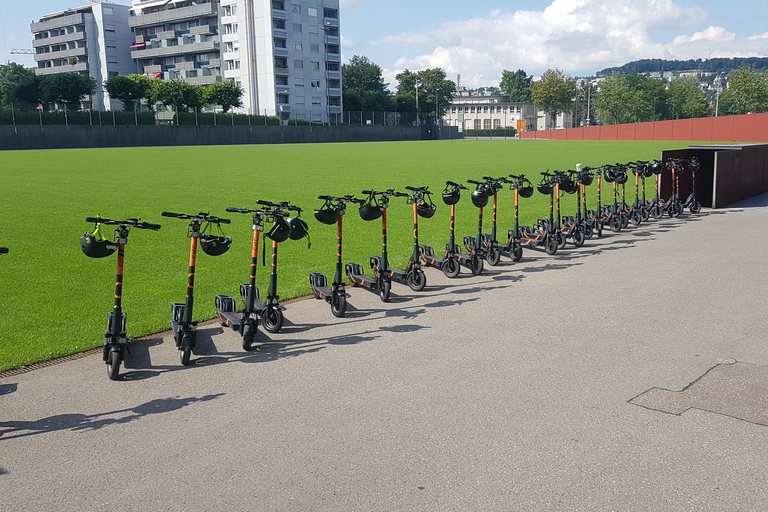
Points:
[92,40]
[475,111]
[284,54]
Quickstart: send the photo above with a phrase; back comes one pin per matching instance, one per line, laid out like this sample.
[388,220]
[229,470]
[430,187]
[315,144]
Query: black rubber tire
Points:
[657,212]
[272,319]
[417,280]
[590,232]
[578,238]
[517,252]
[561,240]
[476,266]
[339,304]
[185,349]
[113,365]
[248,336]
[451,267]
[637,218]
[550,245]
[645,215]
[615,223]
[695,207]
[494,256]
[384,290]
[624,221]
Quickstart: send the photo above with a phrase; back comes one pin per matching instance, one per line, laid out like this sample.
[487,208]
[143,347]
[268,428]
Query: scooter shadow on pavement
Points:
[77,422]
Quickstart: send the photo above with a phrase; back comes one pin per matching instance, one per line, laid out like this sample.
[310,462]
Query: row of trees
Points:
[637,97]
[22,88]
[423,94]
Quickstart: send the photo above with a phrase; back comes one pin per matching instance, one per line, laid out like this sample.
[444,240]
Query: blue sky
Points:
[478,39]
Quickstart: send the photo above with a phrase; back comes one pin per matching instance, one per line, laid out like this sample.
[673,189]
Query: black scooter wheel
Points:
[550,246]
[657,212]
[247,336]
[636,218]
[417,280]
[384,290]
[645,214]
[272,319]
[589,232]
[517,252]
[185,350]
[476,266]
[561,240]
[494,256]
[338,305]
[451,267]
[113,365]
[695,207]
[578,238]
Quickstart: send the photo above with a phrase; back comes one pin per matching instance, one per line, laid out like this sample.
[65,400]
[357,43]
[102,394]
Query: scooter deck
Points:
[230,319]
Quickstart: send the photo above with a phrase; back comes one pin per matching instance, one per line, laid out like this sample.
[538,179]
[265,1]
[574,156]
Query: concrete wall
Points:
[59,137]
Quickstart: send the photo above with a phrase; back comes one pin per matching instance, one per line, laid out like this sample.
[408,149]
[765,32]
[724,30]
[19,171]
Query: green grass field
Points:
[55,300]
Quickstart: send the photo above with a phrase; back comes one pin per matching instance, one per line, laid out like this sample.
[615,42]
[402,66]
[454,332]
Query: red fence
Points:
[745,128]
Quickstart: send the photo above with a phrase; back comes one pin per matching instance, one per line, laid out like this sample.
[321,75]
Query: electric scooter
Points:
[693,204]
[674,206]
[96,245]
[541,234]
[453,259]
[332,212]
[490,244]
[184,329]
[381,281]
[474,244]
[413,275]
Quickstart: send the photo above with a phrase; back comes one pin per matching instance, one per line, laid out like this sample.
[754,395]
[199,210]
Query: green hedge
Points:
[26,117]
[201,119]
[496,132]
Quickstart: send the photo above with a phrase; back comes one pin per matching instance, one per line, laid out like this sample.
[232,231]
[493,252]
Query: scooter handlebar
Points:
[3,250]
[131,221]
[454,184]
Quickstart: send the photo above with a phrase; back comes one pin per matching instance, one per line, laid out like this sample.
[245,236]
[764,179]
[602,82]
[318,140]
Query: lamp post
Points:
[654,107]
[437,122]
[417,103]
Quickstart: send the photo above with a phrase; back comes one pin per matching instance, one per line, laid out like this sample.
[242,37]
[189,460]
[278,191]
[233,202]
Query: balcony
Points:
[280,52]
[203,80]
[66,38]
[181,49]
[279,15]
[281,70]
[181,13]
[333,57]
[333,75]
[80,66]
[63,54]
[331,22]
[334,91]
[279,32]
[202,30]
[151,70]
[332,40]
[282,89]
[187,65]
[334,109]
[60,22]
[168,34]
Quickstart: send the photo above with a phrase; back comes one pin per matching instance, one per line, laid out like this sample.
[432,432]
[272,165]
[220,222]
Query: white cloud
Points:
[578,36]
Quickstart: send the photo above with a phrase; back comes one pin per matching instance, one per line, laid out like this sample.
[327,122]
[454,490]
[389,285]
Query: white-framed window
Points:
[314,48]
[297,47]
[297,27]
[497,123]
[486,124]
[312,12]
[296,9]
[298,64]
[314,66]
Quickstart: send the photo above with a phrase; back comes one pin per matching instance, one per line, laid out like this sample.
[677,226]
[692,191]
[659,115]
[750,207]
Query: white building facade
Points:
[485,112]
[93,40]
[285,54]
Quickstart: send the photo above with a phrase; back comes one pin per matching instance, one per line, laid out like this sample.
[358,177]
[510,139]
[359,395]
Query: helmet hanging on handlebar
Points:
[328,214]
[94,245]
[280,231]
[371,209]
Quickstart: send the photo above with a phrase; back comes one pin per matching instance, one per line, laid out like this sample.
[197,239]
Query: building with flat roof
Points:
[286,55]
[93,40]
[485,112]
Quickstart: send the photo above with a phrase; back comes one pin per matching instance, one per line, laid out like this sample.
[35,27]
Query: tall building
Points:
[285,54]
[92,40]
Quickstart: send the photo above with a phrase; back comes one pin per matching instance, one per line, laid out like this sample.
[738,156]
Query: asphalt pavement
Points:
[629,375]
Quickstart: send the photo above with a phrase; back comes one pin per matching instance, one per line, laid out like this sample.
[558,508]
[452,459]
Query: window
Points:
[453,110]
[298,64]
[485,109]
[472,109]
[315,102]
[315,83]
[297,47]
[486,124]
[477,123]
[297,27]
[296,9]
[314,66]
[498,110]
[314,48]
[298,82]
[497,123]
[312,12]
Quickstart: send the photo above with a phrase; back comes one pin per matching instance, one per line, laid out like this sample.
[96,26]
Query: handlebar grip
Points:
[474,182]
[238,210]
[171,214]
[219,220]
[368,192]
[147,225]
[92,219]
[325,198]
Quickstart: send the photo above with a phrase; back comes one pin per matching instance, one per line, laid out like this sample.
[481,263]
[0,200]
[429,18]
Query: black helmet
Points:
[479,198]
[426,210]
[586,178]
[95,245]
[371,209]
[610,176]
[526,190]
[621,177]
[327,215]
[280,231]
[452,196]
[570,186]
[545,187]
[694,166]
[213,245]
[657,167]
[299,228]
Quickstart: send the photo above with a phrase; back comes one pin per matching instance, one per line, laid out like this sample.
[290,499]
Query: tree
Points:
[127,88]
[175,93]
[686,99]
[517,85]
[67,88]
[434,92]
[554,92]
[615,100]
[747,91]
[652,97]
[361,75]
[18,85]
[228,94]
[372,101]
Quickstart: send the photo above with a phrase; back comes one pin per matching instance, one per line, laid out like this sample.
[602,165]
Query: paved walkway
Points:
[626,375]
